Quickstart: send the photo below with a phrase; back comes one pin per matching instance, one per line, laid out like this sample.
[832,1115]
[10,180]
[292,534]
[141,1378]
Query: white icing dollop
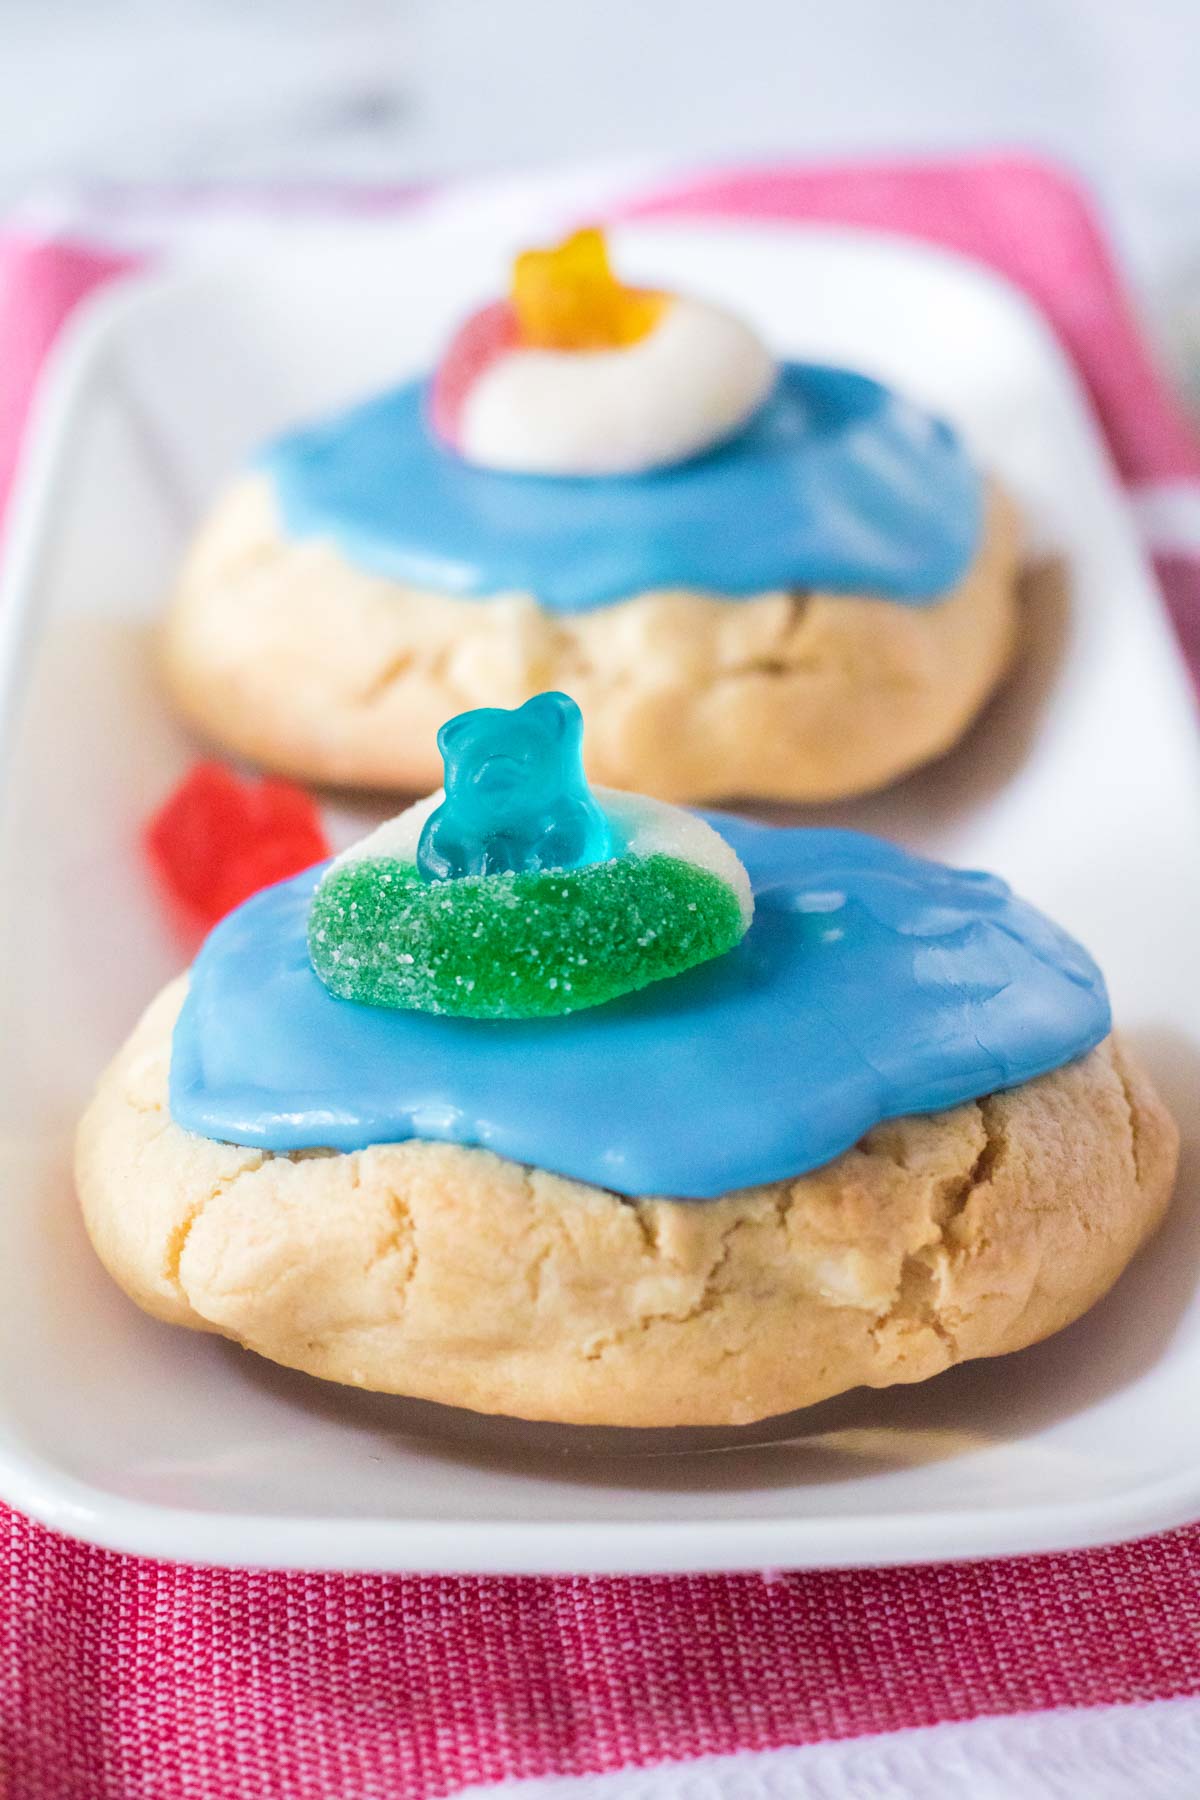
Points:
[689,383]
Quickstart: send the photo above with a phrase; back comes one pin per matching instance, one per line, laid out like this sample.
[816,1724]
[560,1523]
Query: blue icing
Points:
[516,794]
[871,984]
[836,483]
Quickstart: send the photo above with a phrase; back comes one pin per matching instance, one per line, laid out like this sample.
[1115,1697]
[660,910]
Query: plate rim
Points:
[62,1501]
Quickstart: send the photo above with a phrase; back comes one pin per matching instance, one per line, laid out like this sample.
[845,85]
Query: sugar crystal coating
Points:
[516,894]
[520,945]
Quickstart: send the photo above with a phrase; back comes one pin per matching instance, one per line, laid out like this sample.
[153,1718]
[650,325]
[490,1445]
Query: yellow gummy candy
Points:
[569,299]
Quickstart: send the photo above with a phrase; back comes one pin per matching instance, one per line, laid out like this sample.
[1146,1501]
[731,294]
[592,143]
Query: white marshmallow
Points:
[693,380]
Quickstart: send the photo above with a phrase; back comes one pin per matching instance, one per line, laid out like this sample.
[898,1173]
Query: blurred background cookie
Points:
[778,581]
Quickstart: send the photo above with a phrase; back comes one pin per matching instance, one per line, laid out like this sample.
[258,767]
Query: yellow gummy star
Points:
[568,298]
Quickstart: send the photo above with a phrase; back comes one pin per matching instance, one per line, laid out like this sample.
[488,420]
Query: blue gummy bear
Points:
[517,798]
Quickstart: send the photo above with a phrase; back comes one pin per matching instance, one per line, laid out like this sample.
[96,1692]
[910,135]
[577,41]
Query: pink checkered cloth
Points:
[123,1679]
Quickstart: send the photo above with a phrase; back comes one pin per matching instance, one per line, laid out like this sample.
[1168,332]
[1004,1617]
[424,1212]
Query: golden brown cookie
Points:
[284,652]
[449,1274]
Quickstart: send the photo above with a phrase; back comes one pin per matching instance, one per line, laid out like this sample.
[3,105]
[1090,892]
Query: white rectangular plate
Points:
[1080,785]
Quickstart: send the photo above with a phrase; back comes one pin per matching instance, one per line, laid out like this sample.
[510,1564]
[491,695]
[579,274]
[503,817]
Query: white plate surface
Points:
[1080,785]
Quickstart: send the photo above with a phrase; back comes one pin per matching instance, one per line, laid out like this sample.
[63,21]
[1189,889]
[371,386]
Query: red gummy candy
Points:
[479,342]
[218,838]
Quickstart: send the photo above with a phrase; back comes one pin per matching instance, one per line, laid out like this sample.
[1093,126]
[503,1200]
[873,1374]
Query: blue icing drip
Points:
[836,483]
[871,984]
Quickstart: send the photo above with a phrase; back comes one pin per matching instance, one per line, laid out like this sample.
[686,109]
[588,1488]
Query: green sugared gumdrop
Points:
[527,945]
[516,795]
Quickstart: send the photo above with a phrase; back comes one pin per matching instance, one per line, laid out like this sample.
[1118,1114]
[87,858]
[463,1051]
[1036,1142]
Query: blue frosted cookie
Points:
[758,577]
[495,1112]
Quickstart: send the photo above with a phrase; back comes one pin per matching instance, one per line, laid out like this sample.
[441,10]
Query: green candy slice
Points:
[532,945]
